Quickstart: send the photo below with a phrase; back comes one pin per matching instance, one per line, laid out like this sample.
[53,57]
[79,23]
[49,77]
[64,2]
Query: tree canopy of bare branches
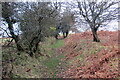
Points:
[97,13]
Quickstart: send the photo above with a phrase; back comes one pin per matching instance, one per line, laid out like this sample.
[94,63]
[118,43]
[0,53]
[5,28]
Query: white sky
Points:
[112,26]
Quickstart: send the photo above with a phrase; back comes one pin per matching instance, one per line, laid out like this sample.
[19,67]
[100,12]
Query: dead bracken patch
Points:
[100,59]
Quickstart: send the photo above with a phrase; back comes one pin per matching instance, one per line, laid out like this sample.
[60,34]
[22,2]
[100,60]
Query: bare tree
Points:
[35,24]
[97,14]
[8,15]
[66,21]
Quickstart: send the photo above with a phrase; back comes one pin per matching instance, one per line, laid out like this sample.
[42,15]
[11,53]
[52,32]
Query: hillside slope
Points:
[88,59]
[76,56]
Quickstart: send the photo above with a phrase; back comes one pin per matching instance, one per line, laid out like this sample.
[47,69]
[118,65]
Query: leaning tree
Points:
[8,15]
[96,13]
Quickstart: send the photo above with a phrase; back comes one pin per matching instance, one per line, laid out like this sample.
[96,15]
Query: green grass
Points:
[57,44]
[87,50]
[39,67]
[49,47]
[42,66]
[81,57]
[52,63]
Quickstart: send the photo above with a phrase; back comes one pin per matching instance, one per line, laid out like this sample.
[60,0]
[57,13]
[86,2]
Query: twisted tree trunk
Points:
[95,35]
[15,37]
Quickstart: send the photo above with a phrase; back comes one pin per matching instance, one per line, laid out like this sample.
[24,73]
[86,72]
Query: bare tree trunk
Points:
[95,36]
[19,48]
[15,37]
[34,45]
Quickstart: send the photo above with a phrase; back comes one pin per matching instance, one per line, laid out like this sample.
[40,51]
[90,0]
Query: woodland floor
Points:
[77,56]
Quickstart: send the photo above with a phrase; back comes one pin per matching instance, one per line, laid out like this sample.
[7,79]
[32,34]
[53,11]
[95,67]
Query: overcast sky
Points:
[112,26]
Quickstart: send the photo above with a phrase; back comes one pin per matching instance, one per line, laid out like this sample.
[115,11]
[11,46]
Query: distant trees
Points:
[65,23]
[97,13]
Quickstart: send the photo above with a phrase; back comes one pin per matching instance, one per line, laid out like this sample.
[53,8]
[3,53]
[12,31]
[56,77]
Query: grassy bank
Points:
[20,64]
